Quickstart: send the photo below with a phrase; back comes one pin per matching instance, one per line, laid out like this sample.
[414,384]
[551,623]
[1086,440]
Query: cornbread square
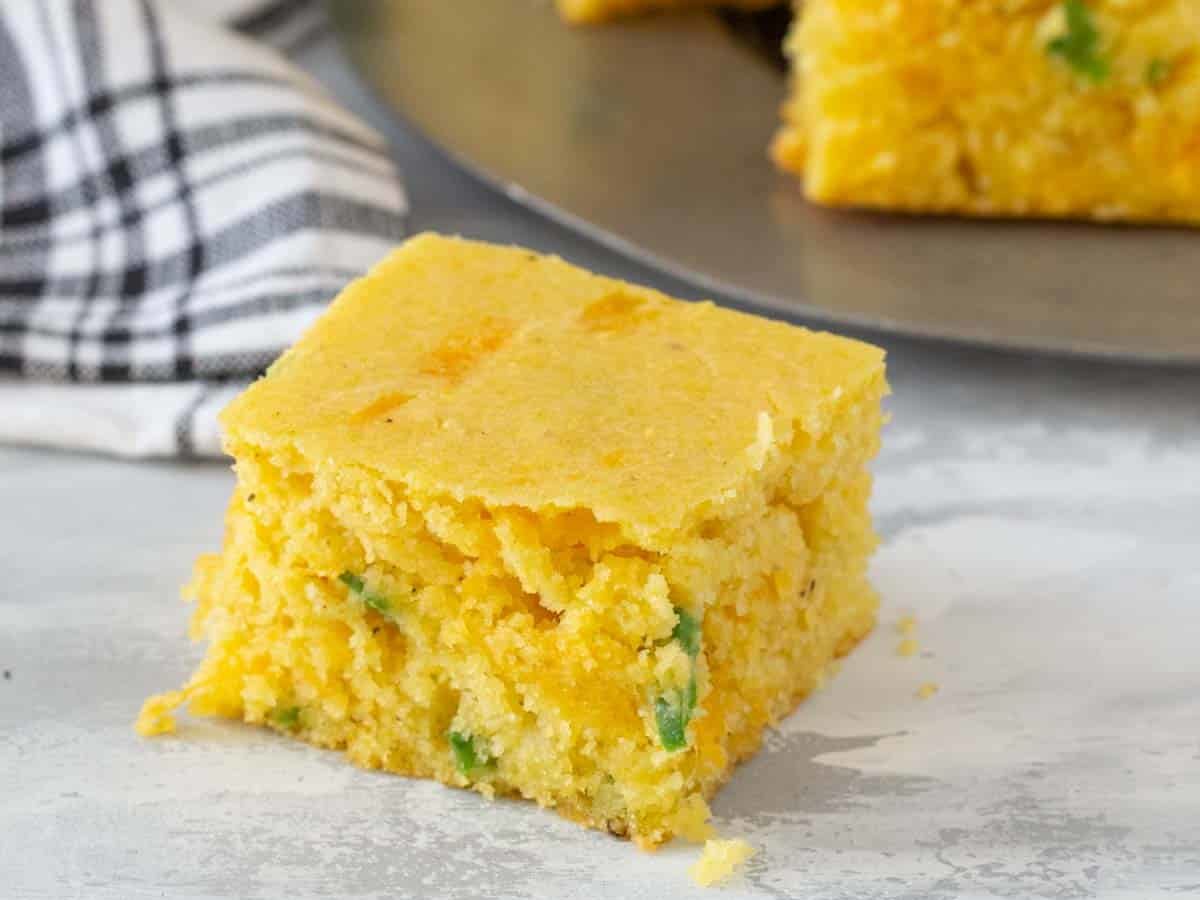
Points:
[591,11]
[520,528]
[1088,108]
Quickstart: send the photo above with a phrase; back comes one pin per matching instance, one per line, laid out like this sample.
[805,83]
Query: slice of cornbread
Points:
[517,527]
[1088,108]
[590,11]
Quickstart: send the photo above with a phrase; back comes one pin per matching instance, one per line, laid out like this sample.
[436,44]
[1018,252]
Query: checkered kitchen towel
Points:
[177,202]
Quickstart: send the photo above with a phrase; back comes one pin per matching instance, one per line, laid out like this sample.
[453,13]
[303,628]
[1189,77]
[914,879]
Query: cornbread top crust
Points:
[472,371]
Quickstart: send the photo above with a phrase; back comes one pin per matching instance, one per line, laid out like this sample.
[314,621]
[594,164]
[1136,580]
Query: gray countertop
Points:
[1041,518]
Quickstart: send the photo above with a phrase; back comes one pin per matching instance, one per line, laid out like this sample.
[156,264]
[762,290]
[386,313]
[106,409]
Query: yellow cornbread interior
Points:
[591,11]
[476,502]
[719,861]
[962,106]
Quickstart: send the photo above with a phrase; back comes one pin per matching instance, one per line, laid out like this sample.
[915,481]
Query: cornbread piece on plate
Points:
[1088,108]
[520,528]
[586,11]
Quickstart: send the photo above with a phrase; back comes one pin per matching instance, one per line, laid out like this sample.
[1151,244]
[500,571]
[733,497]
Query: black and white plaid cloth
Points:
[177,202]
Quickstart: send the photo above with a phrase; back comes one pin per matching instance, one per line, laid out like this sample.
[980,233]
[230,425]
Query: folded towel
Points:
[177,203]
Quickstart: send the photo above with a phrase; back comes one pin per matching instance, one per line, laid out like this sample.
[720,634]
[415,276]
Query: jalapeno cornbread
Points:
[1084,108]
[520,528]
[590,11]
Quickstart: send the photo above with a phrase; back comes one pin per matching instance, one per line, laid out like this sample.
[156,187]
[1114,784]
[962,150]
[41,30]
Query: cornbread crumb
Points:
[530,531]
[155,717]
[927,690]
[908,647]
[907,626]
[719,860]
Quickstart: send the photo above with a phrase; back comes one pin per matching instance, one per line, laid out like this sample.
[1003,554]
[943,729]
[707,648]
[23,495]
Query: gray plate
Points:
[650,136]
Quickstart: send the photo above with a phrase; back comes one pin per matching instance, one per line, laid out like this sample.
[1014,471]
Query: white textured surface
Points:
[1042,519]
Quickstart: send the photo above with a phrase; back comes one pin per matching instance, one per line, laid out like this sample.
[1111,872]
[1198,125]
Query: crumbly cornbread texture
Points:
[1088,108]
[719,861]
[524,529]
[590,11]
